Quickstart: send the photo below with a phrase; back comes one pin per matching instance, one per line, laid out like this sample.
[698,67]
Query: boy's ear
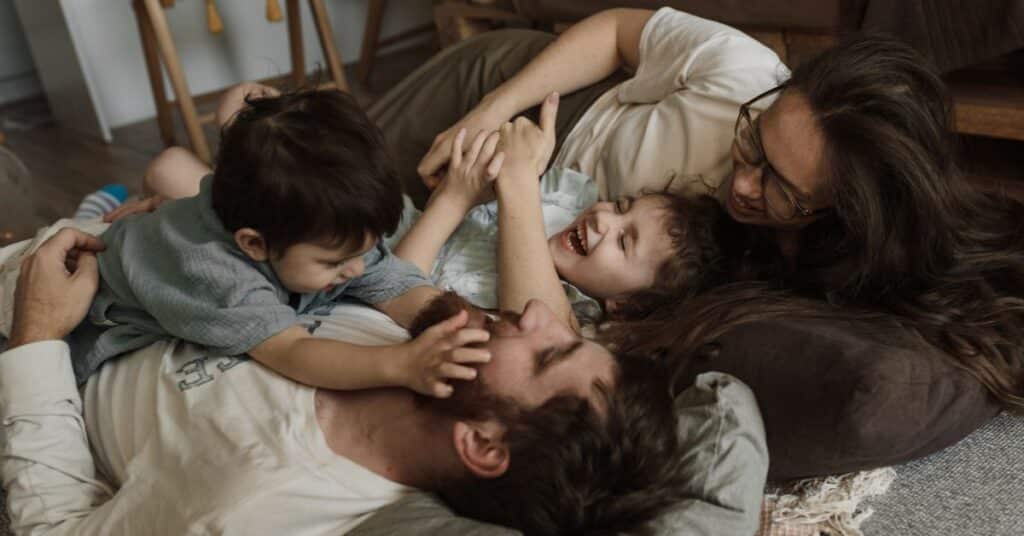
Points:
[251,242]
[613,306]
[480,447]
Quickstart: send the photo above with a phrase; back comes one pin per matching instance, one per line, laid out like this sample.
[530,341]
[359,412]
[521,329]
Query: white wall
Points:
[250,47]
[17,73]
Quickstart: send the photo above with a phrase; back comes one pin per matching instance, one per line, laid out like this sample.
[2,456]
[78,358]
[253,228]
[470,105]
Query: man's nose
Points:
[747,181]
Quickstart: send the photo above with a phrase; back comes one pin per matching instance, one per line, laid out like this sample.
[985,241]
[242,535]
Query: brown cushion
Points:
[839,396]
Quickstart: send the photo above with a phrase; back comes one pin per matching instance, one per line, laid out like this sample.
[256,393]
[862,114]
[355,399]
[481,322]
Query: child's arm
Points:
[468,183]
[423,364]
[526,270]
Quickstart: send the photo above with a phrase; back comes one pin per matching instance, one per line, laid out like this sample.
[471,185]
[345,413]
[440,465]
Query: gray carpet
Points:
[973,487]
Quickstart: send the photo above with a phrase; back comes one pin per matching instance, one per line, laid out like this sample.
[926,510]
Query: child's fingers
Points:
[548,113]
[456,372]
[470,355]
[469,336]
[474,148]
[489,146]
[440,390]
[456,156]
[494,167]
[447,326]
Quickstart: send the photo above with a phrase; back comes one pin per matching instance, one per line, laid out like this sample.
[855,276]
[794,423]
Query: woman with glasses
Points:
[844,173]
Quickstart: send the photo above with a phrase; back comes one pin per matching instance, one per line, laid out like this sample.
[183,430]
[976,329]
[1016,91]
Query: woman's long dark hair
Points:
[908,235]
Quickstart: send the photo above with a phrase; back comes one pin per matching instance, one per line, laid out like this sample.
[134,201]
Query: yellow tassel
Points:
[274,11]
[213,18]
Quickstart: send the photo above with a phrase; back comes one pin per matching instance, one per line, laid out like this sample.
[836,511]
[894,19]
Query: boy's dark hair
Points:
[697,228]
[306,166]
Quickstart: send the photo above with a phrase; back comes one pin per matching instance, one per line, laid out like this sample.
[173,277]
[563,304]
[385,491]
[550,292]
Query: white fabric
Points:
[673,121]
[468,263]
[197,444]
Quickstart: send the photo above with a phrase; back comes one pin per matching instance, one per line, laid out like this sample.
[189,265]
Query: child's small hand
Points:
[148,204]
[440,354]
[470,176]
[528,147]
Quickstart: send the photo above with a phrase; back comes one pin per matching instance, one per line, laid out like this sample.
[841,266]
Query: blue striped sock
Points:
[100,202]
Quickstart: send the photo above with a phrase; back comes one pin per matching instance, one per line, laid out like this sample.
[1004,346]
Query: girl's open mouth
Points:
[575,239]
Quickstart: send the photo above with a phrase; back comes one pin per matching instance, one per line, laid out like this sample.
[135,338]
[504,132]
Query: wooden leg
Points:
[156,77]
[295,43]
[165,44]
[371,38]
[323,28]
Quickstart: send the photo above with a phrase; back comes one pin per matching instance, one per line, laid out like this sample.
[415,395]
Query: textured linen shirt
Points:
[178,272]
[673,121]
[468,261]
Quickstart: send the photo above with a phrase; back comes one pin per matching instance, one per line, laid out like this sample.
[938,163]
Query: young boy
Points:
[288,223]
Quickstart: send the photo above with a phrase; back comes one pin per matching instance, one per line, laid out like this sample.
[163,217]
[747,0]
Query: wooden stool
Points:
[157,44]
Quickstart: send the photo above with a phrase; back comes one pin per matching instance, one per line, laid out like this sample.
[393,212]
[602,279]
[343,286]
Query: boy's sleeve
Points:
[385,277]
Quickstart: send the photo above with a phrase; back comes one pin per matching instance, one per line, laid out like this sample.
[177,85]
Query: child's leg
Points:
[175,174]
[234,99]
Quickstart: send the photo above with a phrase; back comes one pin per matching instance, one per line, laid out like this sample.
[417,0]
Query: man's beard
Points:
[471,400]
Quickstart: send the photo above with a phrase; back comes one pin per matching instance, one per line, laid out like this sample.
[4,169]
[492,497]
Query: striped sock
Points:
[102,201]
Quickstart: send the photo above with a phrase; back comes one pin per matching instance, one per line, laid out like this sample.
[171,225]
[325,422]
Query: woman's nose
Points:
[747,181]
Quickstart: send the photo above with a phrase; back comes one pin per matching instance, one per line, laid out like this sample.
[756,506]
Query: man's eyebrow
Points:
[553,354]
[789,184]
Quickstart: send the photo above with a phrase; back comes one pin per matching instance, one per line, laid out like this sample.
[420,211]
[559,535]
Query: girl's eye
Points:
[618,206]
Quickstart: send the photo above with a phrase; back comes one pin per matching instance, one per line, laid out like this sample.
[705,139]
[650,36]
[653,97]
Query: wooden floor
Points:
[65,166]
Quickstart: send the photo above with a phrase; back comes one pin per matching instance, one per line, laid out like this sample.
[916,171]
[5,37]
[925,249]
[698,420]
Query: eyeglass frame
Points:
[765,166]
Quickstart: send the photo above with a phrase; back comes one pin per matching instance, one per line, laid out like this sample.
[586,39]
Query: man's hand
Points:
[470,177]
[55,287]
[527,147]
[439,354]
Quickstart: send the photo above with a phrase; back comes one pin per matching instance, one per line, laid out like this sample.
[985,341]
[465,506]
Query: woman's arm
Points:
[586,53]
[525,268]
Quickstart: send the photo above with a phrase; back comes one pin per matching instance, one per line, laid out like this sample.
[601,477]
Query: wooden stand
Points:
[158,44]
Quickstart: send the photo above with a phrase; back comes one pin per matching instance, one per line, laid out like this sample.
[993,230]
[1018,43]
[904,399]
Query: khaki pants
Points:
[446,88]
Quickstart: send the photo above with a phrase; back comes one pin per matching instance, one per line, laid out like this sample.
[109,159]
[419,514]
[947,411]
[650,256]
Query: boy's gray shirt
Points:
[177,272]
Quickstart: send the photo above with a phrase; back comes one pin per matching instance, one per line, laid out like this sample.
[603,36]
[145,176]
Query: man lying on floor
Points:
[554,436]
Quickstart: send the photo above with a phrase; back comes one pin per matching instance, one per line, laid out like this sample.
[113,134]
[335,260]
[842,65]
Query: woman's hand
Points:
[486,117]
[527,147]
[138,206]
[470,177]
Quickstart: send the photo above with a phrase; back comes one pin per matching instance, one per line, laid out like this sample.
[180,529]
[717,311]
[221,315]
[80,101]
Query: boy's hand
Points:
[527,147]
[148,204]
[439,354]
[470,177]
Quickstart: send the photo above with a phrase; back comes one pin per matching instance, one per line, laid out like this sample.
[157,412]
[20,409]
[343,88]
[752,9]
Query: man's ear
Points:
[251,242]
[480,447]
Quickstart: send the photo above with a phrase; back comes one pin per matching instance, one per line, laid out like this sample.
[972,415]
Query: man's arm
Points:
[585,54]
[49,475]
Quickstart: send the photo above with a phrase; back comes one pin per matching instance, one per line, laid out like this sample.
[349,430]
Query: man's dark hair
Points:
[574,469]
[306,166]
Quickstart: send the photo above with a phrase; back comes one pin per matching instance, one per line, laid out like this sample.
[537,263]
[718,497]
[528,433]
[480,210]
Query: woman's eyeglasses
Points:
[782,204]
